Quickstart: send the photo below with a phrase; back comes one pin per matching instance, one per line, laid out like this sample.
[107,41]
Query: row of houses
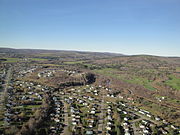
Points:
[57,116]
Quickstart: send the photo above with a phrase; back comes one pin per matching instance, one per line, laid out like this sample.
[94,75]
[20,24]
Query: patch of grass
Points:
[73,62]
[150,71]
[49,64]
[88,65]
[108,72]
[37,59]
[178,69]
[173,82]
[174,101]
[27,107]
[1,122]
[11,60]
[31,106]
[45,54]
[142,81]
[135,80]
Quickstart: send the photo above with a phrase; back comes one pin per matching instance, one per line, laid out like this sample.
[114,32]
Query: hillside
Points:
[57,53]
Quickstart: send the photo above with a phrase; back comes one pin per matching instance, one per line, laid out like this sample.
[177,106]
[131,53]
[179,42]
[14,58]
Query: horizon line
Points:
[46,49]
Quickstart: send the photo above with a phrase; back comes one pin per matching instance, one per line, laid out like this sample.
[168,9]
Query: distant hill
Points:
[59,52]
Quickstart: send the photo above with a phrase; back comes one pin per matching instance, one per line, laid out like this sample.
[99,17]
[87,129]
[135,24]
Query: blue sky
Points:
[121,26]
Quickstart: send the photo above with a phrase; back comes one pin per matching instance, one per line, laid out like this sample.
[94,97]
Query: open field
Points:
[73,62]
[133,79]
[11,60]
[173,82]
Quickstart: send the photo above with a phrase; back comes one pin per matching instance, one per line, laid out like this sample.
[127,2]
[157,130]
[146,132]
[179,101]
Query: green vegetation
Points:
[9,60]
[49,64]
[178,69]
[142,81]
[1,123]
[133,79]
[31,106]
[73,62]
[37,59]
[12,60]
[173,82]
[45,54]
[108,72]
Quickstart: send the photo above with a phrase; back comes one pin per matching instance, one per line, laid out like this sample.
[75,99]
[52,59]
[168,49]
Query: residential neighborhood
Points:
[83,93]
[89,109]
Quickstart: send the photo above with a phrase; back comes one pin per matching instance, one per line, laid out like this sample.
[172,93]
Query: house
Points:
[173,127]
[145,131]
[157,118]
[124,112]
[73,119]
[74,123]
[109,123]
[118,109]
[89,132]
[56,120]
[125,119]
[145,122]
[108,128]
[92,112]
[142,126]
[90,125]
[142,112]
[109,117]
[127,133]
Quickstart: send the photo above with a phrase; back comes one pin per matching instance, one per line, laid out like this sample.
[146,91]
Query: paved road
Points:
[147,118]
[101,115]
[135,129]
[4,93]
[65,131]
[8,78]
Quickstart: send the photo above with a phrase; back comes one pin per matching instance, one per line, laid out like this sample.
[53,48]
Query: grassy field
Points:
[134,79]
[1,123]
[178,69]
[142,81]
[49,64]
[9,60]
[73,62]
[37,59]
[45,54]
[31,106]
[173,82]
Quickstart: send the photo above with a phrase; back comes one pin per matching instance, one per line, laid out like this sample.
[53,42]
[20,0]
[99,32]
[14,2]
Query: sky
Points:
[121,26]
